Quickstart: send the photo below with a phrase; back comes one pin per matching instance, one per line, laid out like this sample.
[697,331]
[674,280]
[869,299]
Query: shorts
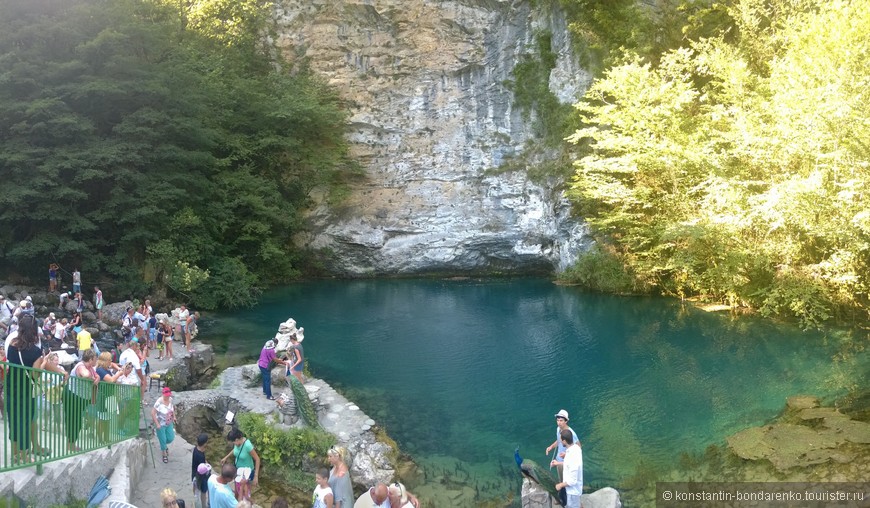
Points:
[244,473]
[152,332]
[573,502]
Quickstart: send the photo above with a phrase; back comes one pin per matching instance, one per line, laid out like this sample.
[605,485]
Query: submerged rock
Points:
[793,445]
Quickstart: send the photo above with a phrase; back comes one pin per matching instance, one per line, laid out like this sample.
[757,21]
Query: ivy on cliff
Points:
[140,142]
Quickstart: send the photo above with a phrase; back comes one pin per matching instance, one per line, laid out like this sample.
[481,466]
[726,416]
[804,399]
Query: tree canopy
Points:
[737,166]
[157,144]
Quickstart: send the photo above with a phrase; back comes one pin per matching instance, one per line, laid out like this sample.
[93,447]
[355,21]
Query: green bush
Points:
[284,448]
[793,293]
[601,270]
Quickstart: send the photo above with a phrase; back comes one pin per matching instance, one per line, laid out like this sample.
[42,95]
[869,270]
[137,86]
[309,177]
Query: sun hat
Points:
[562,414]
[23,304]
[28,298]
[51,315]
[270,344]
[398,489]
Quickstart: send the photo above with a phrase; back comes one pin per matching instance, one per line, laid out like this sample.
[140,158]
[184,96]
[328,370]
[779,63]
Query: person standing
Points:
[189,329]
[200,470]
[78,396]
[267,356]
[131,356]
[84,341]
[166,333]
[322,497]
[339,477]
[401,498]
[20,403]
[163,414]
[181,331]
[52,277]
[297,358]
[6,312]
[375,497]
[561,424]
[220,494]
[98,302]
[573,469]
[246,460]
[77,281]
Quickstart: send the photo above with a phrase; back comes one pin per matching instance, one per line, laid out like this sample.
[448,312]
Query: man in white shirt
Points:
[130,356]
[572,472]
[375,497]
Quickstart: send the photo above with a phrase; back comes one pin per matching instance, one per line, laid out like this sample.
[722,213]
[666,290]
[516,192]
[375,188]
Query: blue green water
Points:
[460,372]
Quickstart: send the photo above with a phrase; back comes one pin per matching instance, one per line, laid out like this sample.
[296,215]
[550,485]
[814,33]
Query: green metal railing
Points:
[48,417]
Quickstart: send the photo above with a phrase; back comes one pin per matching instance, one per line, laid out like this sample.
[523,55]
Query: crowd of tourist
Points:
[68,402]
[231,485]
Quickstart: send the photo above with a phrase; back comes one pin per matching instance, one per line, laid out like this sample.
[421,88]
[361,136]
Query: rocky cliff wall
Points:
[431,118]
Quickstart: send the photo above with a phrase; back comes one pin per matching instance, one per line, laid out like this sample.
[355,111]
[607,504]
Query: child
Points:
[200,470]
[322,497]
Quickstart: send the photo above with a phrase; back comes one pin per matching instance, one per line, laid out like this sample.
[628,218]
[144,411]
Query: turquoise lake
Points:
[461,372]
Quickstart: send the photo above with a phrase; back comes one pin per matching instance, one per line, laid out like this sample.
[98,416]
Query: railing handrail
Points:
[49,416]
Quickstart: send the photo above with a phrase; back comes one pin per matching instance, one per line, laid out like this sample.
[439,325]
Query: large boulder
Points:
[113,313]
[186,373]
[607,497]
[534,496]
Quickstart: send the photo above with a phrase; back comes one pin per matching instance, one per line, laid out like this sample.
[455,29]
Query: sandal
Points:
[166,459]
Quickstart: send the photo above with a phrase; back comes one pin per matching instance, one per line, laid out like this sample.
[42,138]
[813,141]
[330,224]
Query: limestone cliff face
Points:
[431,118]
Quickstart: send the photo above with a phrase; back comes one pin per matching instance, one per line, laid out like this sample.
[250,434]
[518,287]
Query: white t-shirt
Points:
[130,356]
[572,472]
[59,331]
[6,311]
[319,496]
[131,380]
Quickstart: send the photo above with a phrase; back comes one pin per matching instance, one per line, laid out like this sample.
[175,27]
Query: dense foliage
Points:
[737,167]
[157,145]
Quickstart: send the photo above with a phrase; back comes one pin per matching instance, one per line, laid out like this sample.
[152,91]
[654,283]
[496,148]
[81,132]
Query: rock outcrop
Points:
[807,435]
[534,496]
[432,120]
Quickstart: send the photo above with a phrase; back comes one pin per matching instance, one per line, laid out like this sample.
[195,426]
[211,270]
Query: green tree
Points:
[736,168]
[157,143]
